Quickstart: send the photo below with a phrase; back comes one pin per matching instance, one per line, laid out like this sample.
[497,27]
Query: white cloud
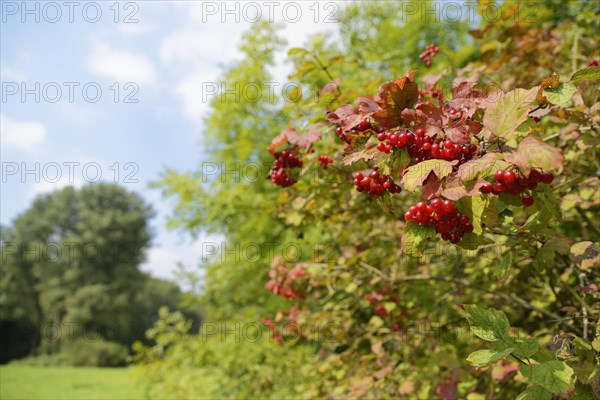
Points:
[11,74]
[121,65]
[47,186]
[25,136]
[192,90]
[162,260]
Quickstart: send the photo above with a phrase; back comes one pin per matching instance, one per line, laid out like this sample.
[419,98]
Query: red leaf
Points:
[367,106]
[393,97]
[284,137]
[448,390]
[455,189]
[331,87]
[468,99]
[306,140]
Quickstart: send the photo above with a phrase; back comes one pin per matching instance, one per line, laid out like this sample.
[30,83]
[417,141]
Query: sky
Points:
[113,91]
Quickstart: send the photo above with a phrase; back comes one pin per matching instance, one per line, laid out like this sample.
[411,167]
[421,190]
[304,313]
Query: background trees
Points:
[70,270]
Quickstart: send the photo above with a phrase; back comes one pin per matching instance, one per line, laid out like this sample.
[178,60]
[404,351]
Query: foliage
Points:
[392,298]
[70,269]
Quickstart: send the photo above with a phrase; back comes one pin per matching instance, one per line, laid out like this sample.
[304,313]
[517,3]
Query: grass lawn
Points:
[17,382]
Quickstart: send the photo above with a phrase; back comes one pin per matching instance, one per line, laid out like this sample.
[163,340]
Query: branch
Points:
[510,297]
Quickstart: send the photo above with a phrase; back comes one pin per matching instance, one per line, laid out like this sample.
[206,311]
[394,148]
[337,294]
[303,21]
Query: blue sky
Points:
[61,74]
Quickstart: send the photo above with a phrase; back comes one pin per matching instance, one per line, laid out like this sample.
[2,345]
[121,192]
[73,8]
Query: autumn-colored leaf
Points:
[393,97]
[455,189]
[509,111]
[551,81]
[484,167]
[283,138]
[533,152]
[415,176]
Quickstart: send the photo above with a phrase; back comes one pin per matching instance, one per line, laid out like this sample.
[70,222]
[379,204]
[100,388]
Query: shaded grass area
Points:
[24,382]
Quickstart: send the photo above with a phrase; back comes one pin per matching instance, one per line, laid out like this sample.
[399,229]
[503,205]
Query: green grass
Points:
[23,382]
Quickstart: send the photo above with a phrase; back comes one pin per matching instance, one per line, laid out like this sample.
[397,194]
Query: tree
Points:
[70,268]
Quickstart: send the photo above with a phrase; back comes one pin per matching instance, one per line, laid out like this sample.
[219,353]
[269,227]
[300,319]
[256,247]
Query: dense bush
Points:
[82,353]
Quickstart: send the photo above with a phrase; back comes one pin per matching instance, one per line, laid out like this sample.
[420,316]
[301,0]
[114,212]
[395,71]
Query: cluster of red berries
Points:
[283,160]
[507,181]
[363,126]
[425,147]
[443,215]
[375,184]
[324,161]
[430,51]
[593,63]
[286,282]
[378,298]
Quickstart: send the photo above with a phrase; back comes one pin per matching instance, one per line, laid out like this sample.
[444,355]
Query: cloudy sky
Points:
[112,91]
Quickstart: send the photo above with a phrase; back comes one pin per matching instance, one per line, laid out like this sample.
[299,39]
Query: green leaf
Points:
[560,95]
[504,116]
[488,324]
[394,163]
[472,241]
[481,358]
[303,70]
[523,348]
[545,256]
[351,288]
[503,270]
[297,50]
[416,175]
[415,237]
[554,376]
[480,210]
[535,393]
[546,208]
[586,74]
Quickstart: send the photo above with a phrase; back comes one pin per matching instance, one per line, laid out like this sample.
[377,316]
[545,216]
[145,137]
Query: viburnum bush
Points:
[424,227]
[506,176]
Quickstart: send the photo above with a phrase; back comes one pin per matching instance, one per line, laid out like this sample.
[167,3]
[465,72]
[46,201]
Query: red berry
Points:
[408,216]
[535,175]
[499,176]
[509,177]
[527,201]
[498,188]
[448,144]
[486,188]
[547,177]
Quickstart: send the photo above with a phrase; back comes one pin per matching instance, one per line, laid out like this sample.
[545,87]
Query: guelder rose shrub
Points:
[435,207]
[477,167]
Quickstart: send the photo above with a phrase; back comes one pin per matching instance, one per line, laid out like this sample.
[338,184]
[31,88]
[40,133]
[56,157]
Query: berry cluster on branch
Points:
[424,147]
[284,160]
[515,183]
[443,216]
[430,51]
[324,161]
[375,184]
